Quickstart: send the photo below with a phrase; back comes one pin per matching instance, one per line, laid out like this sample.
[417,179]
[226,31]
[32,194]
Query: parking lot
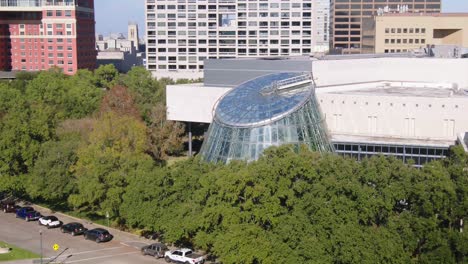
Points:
[124,248]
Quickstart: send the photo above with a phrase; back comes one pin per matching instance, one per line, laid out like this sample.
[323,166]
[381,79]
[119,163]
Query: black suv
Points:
[156,250]
[98,234]
[74,229]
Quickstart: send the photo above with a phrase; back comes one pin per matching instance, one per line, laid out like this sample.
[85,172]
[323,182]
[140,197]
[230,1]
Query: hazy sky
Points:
[112,16]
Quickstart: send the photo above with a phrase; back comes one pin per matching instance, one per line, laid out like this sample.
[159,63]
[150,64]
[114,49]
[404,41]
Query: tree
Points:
[144,88]
[120,102]
[106,76]
[166,137]
[51,179]
[114,151]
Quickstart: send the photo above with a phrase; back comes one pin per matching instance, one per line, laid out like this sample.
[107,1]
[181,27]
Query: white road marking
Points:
[101,257]
[136,247]
[91,251]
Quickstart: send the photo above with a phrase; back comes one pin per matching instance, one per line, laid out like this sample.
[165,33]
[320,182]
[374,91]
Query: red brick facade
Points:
[51,33]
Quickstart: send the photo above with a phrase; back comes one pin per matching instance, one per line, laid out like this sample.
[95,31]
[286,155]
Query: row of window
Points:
[240,42]
[408,154]
[59,13]
[242,15]
[35,47]
[182,42]
[230,51]
[175,67]
[376,6]
[49,33]
[49,40]
[261,6]
[405,30]
[195,25]
[60,61]
[240,51]
[32,68]
[264,33]
[405,41]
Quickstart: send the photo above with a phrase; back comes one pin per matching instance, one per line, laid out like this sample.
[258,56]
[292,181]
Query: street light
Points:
[40,234]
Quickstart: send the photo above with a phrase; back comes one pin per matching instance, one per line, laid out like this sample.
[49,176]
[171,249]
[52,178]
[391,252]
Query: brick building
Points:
[40,34]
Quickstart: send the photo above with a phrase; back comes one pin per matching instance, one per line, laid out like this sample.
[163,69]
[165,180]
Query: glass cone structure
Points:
[270,110]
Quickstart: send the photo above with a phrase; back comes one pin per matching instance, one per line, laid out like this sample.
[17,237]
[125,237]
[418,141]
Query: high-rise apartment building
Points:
[40,34]
[348,16]
[181,34]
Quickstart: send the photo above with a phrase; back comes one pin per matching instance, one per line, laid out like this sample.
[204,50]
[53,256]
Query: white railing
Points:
[288,84]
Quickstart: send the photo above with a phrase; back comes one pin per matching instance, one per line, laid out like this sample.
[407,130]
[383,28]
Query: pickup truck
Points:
[183,255]
[28,214]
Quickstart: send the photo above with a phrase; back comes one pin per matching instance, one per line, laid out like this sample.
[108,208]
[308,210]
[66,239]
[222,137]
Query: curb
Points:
[114,231]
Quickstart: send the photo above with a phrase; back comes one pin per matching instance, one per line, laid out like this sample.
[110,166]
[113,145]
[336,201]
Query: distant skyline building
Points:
[133,34]
[393,33]
[180,36]
[40,34]
[348,16]
[123,52]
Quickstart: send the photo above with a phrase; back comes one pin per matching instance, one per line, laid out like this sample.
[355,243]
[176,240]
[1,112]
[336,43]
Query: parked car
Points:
[49,221]
[8,206]
[73,228]
[156,250]
[98,234]
[28,214]
[183,255]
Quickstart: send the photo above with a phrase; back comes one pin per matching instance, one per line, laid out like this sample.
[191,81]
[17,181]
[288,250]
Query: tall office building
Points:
[40,34]
[348,15]
[180,35]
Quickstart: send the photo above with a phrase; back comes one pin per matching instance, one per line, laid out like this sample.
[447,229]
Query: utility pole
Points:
[40,234]
[190,139]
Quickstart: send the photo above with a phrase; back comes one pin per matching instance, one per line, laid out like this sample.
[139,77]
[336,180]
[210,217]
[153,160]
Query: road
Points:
[26,235]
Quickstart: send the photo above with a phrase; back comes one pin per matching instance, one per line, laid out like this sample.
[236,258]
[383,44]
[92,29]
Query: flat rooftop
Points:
[402,89]
[425,15]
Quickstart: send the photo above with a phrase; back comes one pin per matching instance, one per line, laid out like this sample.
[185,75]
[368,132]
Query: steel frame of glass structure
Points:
[257,115]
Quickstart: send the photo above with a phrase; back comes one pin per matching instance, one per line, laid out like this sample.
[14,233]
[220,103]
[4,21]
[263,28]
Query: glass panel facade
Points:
[298,123]
[418,155]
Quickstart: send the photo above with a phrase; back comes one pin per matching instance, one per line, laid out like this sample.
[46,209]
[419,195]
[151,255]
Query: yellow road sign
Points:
[56,247]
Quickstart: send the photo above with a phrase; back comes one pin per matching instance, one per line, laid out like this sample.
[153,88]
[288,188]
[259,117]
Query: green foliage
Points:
[106,76]
[114,151]
[51,179]
[303,208]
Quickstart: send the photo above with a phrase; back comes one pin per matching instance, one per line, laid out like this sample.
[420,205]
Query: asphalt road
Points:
[26,235]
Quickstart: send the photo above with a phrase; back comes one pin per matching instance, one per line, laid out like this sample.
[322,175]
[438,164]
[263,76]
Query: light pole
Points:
[40,234]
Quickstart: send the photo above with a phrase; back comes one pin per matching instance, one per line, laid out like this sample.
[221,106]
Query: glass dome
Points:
[270,110]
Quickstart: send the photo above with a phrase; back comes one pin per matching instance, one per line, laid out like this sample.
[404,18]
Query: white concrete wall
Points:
[392,116]
[176,75]
[333,72]
[192,103]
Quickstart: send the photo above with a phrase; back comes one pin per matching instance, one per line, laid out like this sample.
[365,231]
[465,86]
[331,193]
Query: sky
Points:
[112,16]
